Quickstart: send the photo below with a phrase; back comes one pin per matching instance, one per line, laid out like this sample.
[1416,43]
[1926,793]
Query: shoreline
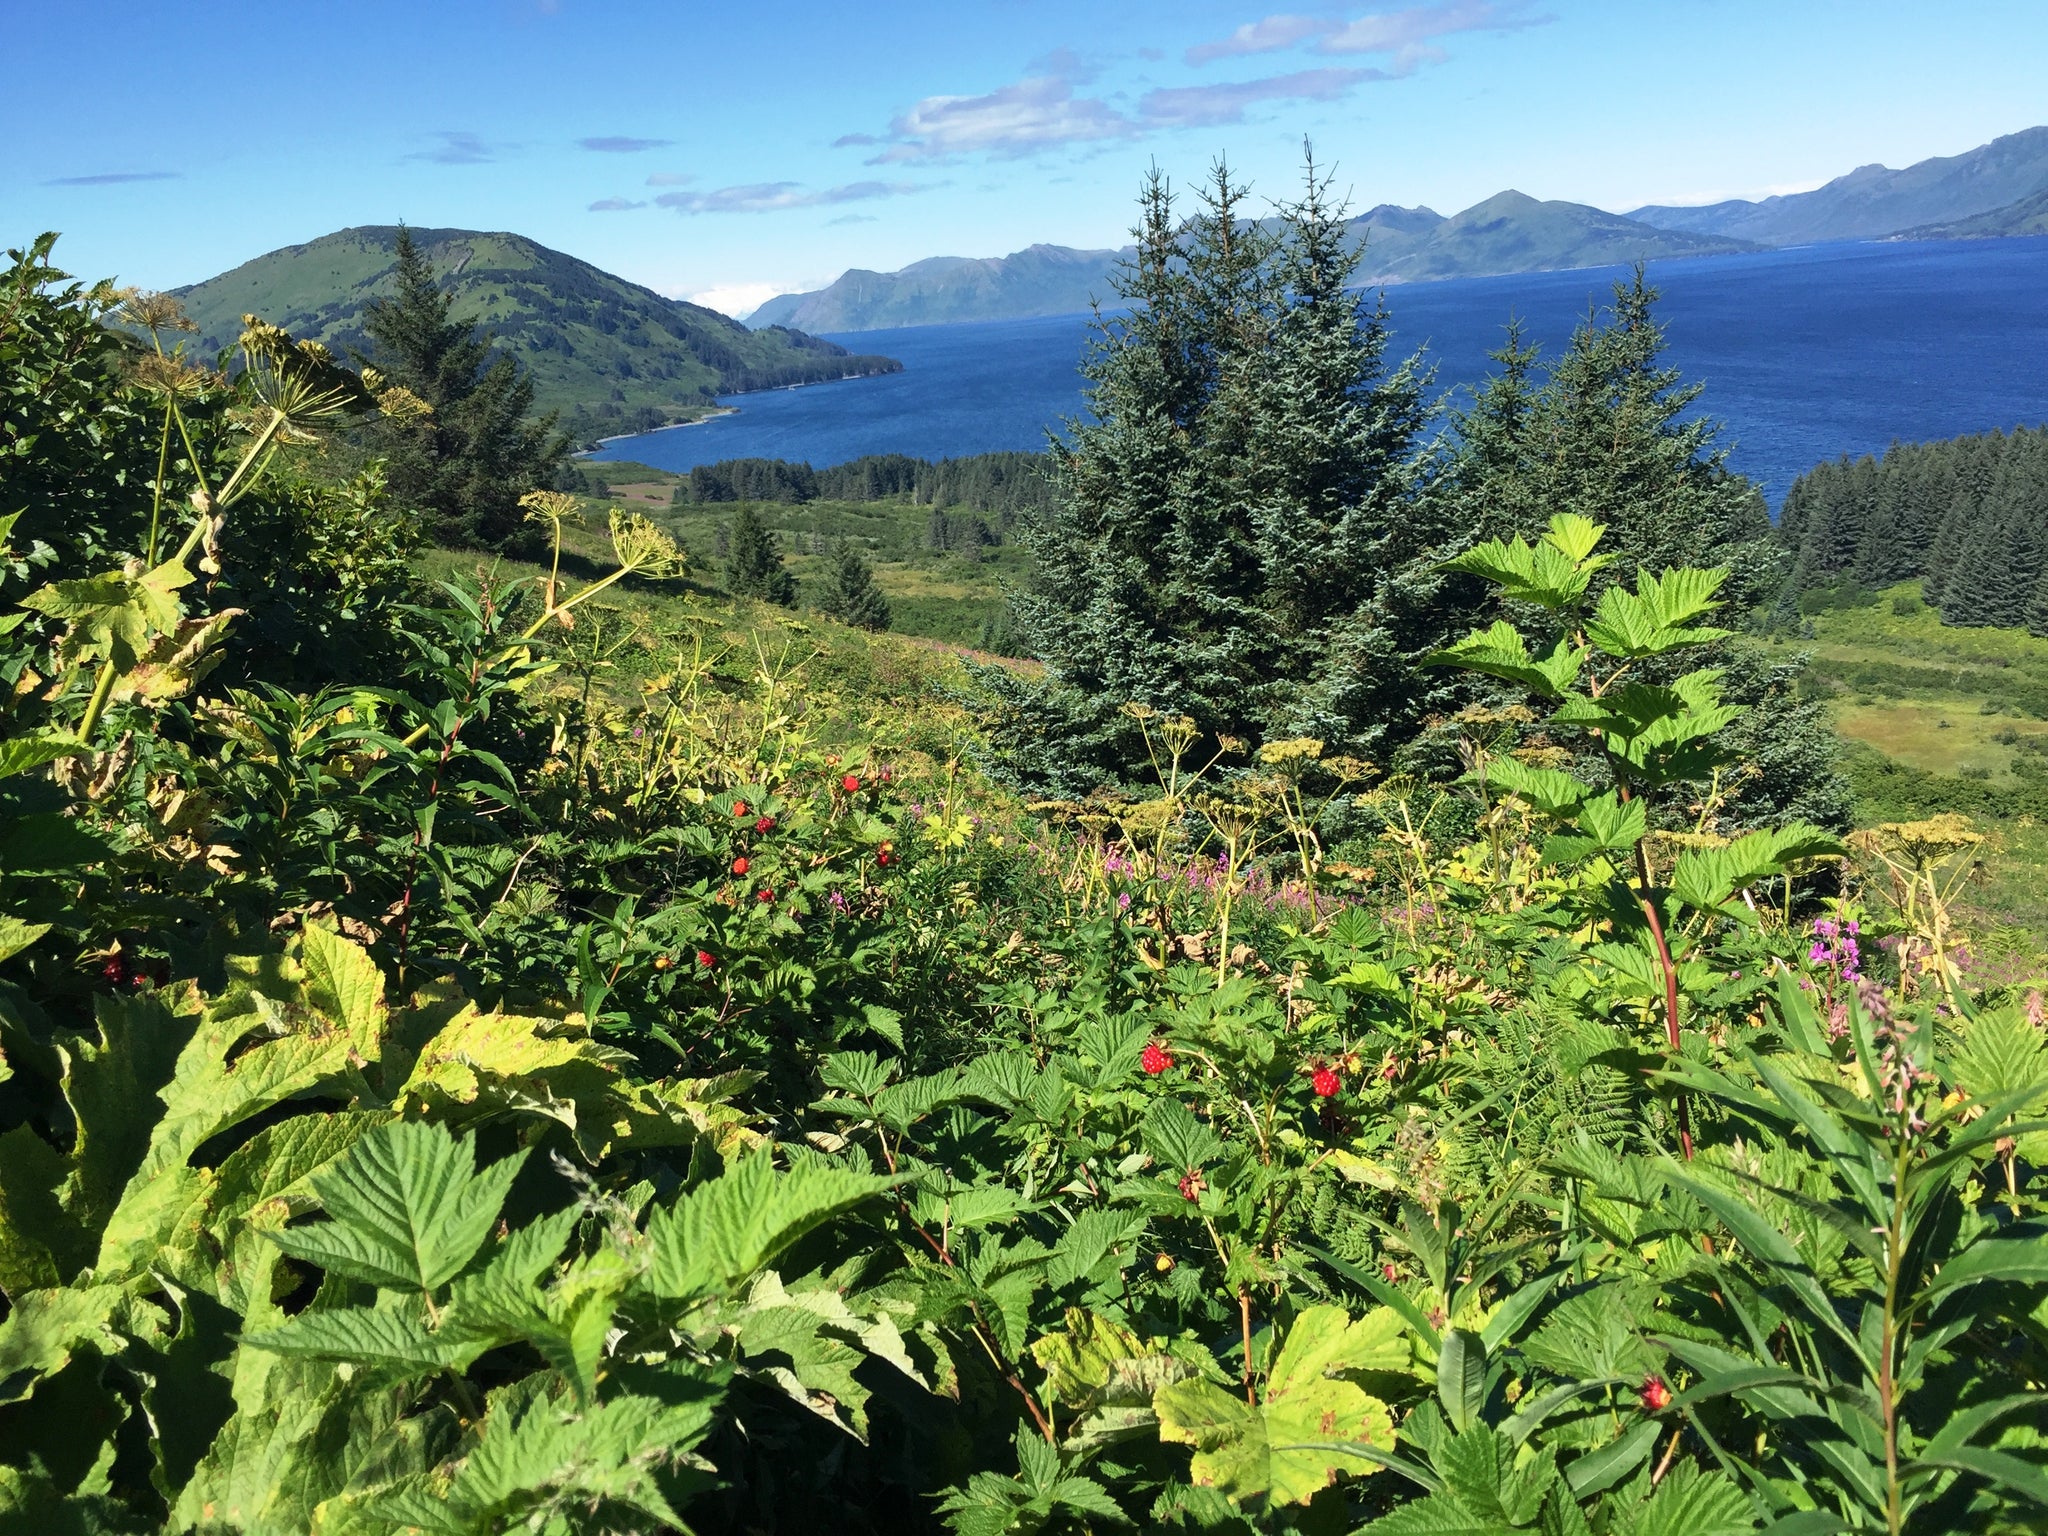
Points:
[711,415]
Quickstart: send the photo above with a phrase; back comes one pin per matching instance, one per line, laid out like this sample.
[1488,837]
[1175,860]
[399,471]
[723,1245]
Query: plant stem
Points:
[1670,970]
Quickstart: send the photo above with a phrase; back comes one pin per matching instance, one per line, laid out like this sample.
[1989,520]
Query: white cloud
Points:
[737,299]
[1406,34]
[1035,113]
[1202,106]
[775,196]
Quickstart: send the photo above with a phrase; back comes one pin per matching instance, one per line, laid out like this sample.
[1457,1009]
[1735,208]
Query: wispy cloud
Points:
[1204,106]
[1034,114]
[111,178]
[775,196]
[458,149]
[619,144]
[1044,112]
[614,205]
[855,218]
[1405,34]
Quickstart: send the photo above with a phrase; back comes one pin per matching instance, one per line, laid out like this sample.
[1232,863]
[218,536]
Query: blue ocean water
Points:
[1805,354]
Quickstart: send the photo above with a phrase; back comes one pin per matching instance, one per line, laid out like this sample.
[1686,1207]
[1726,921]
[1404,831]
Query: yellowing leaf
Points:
[1280,1449]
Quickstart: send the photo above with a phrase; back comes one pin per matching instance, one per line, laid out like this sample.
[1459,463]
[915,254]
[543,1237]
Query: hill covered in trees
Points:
[1968,516]
[610,355]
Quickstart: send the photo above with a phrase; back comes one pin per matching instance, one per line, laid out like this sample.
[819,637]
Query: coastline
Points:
[711,415]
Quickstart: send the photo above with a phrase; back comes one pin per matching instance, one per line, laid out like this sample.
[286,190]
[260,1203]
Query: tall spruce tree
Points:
[753,560]
[465,465]
[850,594]
[1221,520]
[1610,433]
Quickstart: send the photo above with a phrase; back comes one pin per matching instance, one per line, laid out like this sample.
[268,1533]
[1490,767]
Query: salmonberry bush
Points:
[527,1051]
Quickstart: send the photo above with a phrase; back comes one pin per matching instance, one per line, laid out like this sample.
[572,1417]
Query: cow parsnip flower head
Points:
[299,380]
[552,509]
[643,548]
[153,312]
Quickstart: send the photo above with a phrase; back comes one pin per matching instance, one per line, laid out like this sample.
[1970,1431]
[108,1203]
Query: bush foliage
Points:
[473,1065]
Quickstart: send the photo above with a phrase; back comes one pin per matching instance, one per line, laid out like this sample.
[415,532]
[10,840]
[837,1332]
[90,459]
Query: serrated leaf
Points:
[1176,1139]
[407,1208]
[717,1235]
[32,749]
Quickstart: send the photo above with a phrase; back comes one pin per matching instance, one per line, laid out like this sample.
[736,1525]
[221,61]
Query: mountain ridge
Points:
[1974,195]
[1508,232]
[1874,202]
[610,355]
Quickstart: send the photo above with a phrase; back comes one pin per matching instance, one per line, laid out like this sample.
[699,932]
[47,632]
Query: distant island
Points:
[1998,189]
[611,356]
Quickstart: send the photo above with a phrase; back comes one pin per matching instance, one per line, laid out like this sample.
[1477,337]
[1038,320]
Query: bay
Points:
[1805,354]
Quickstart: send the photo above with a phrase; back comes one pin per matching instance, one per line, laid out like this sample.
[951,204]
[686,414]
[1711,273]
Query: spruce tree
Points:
[465,465]
[753,560]
[850,594]
[1218,527]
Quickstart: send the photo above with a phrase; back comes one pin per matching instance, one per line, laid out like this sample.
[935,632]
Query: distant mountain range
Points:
[1998,189]
[1506,233]
[1872,201]
[610,355]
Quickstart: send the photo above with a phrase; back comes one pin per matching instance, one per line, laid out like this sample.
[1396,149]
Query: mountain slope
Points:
[1039,280]
[1513,232]
[610,355]
[1510,232]
[1873,201]
[2028,216]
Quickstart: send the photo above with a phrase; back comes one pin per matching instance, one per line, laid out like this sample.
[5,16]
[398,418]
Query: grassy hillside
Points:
[1513,232]
[1939,719]
[939,595]
[610,355]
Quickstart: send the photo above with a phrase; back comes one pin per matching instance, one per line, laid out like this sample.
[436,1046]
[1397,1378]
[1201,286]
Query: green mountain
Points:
[1513,232]
[1040,280]
[1507,233]
[1874,201]
[2028,216]
[610,355]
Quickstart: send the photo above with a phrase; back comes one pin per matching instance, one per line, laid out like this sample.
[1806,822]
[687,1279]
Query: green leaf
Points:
[1178,1141]
[1283,1449]
[2017,1254]
[408,1209]
[44,1328]
[32,749]
[1548,790]
[717,1235]
[383,1338]
[1461,1377]
[1501,652]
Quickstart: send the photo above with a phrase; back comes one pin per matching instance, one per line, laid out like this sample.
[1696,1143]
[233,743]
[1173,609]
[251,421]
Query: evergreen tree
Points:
[753,560]
[1218,527]
[465,465]
[850,594]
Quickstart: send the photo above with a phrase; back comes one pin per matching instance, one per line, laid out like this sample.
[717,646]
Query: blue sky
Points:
[727,151]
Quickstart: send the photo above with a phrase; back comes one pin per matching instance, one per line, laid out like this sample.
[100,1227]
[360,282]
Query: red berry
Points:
[739,865]
[882,856]
[739,807]
[764,895]
[1191,1185]
[850,784]
[765,824]
[1326,1083]
[1388,1271]
[1155,1060]
[115,969]
[706,959]
[1655,1396]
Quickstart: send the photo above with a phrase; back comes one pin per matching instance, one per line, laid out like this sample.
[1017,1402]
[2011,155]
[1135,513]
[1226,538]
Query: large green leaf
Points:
[408,1209]
[719,1234]
[1288,1446]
